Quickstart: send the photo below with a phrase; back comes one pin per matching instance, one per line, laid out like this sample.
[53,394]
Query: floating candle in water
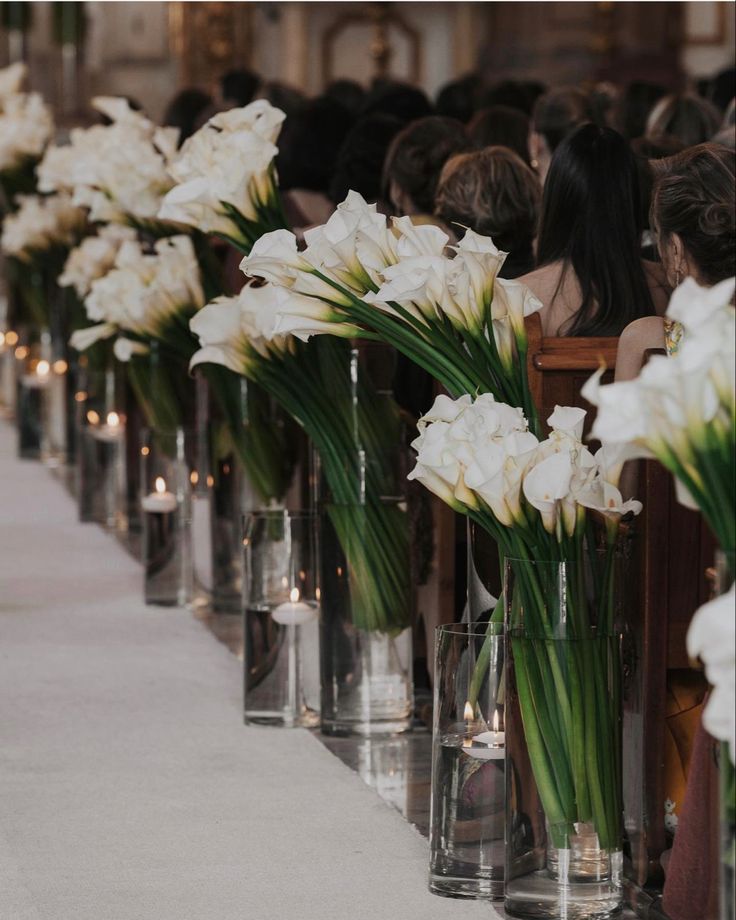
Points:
[39,377]
[294,612]
[160,501]
[485,745]
[112,430]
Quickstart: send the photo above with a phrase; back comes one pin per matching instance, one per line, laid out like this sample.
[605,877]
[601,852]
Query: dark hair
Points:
[501,126]
[559,112]
[686,116]
[591,221]
[349,93]
[398,99]
[511,93]
[239,86]
[635,104]
[184,111]
[309,143]
[360,160]
[284,97]
[693,196]
[495,193]
[417,155]
[647,149]
[458,98]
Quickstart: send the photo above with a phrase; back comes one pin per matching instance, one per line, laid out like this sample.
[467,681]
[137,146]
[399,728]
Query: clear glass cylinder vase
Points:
[563,741]
[8,395]
[33,375]
[468,768]
[172,483]
[280,614]
[365,639]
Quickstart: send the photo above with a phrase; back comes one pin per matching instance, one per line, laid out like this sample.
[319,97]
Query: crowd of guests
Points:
[604,200]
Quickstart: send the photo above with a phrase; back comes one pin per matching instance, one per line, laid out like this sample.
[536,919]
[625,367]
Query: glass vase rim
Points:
[168,432]
[548,562]
[479,630]
[299,514]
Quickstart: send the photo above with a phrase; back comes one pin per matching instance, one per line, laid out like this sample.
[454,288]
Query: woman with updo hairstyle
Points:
[495,193]
[692,215]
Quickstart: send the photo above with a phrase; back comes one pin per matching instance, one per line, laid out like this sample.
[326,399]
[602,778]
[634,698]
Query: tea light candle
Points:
[293,612]
[486,745]
[160,501]
[111,431]
[40,376]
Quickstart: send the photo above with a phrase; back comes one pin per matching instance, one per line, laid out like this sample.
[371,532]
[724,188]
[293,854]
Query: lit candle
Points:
[160,501]
[293,612]
[40,376]
[488,745]
[112,430]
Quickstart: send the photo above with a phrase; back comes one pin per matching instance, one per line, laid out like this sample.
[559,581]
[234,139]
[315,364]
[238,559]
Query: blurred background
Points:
[150,50]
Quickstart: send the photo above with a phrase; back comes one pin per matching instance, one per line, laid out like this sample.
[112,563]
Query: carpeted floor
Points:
[129,788]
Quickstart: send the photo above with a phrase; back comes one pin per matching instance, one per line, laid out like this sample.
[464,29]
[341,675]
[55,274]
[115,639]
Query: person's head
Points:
[458,98]
[511,93]
[238,87]
[309,143]
[360,160]
[591,222]
[647,150]
[397,99]
[501,126]
[723,88]
[284,97]
[349,93]
[686,116]
[634,106]
[555,115]
[493,192]
[415,160]
[185,111]
[692,214]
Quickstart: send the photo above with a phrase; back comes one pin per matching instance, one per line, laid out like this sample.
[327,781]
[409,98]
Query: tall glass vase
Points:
[365,635]
[468,749]
[280,611]
[563,741]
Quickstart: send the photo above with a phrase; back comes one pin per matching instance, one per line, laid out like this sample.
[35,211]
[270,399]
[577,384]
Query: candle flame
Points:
[495,721]
[194,477]
[468,712]
[160,485]
[22,352]
[92,417]
[60,366]
[42,368]
[294,595]
[467,742]
[113,419]
[11,338]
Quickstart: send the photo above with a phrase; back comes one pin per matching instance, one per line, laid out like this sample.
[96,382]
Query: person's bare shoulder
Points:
[636,339]
[658,287]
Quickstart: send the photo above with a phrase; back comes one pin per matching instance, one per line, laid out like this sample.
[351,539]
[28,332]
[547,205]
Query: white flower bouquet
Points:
[451,315]
[26,126]
[35,241]
[118,170]
[541,501]
[224,180]
[682,411]
[354,432]
[146,301]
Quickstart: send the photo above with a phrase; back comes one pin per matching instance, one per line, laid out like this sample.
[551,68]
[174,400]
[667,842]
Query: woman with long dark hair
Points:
[590,276]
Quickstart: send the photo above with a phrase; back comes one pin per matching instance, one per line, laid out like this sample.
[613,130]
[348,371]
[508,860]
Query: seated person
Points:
[591,277]
[495,193]
[692,215]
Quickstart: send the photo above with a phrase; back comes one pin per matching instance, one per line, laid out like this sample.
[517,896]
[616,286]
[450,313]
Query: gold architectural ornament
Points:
[383,19]
[209,38]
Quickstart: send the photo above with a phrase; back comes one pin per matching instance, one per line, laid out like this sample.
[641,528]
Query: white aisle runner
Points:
[129,788]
